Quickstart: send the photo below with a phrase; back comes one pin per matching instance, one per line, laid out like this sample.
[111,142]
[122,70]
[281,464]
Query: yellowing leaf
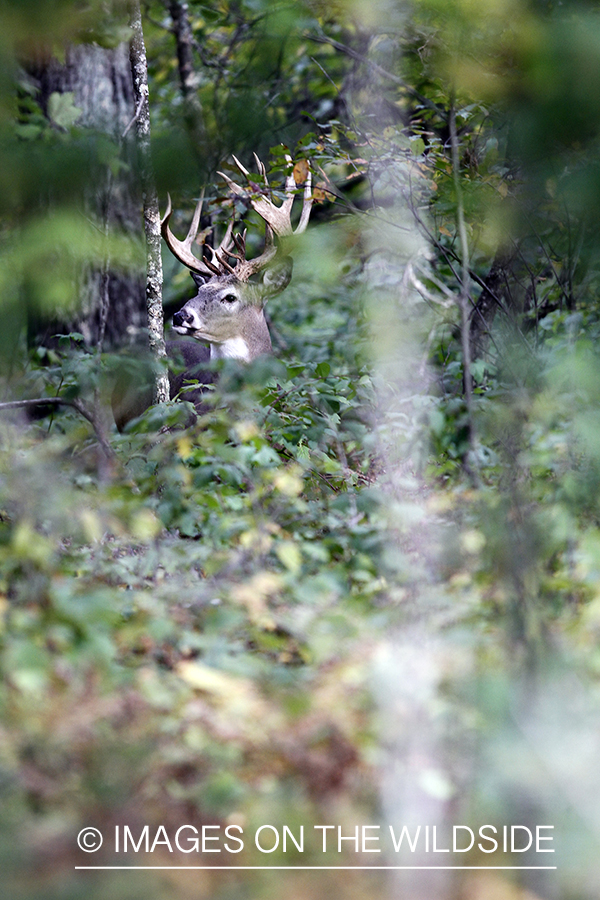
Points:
[321,194]
[289,554]
[91,524]
[301,170]
[259,541]
[204,678]
[240,710]
[254,594]
[145,526]
[184,447]
[246,430]
[289,482]
[28,544]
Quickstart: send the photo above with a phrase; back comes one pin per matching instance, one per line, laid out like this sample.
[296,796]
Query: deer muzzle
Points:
[186,321]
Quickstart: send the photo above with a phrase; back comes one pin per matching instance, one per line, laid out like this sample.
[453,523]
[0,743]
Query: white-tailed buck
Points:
[227,313]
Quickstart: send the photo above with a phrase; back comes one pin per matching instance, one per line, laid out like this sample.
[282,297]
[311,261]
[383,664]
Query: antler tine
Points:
[307,203]
[277,222]
[290,182]
[261,168]
[233,270]
[240,242]
[227,241]
[290,190]
[235,188]
[182,250]
[277,216]
[252,266]
[195,225]
[242,168]
[249,267]
[214,270]
[269,236]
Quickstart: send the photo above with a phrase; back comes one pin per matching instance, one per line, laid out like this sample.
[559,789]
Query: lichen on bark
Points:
[154,276]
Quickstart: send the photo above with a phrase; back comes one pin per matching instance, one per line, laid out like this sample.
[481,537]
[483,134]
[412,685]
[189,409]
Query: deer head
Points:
[228,310]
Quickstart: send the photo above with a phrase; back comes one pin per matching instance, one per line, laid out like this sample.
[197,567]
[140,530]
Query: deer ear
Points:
[277,277]
[199,280]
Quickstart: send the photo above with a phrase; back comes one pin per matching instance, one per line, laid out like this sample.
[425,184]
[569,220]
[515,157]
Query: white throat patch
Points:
[232,348]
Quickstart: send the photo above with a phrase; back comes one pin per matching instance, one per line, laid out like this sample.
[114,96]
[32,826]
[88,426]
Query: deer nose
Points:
[182,318]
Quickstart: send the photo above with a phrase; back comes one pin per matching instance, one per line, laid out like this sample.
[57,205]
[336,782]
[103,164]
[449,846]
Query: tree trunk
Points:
[154,276]
[113,306]
[182,32]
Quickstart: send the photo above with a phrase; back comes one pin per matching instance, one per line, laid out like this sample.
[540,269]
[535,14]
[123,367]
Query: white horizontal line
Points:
[345,868]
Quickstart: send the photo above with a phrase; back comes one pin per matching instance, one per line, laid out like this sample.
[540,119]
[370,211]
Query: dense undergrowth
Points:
[188,628]
[204,598]
[353,590]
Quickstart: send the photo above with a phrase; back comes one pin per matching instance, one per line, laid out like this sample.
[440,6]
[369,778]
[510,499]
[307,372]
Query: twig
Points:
[427,295]
[61,401]
[182,32]
[104,281]
[135,117]
[379,70]
[464,294]
[450,255]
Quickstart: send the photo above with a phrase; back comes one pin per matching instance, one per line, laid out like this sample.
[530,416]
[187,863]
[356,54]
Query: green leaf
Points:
[417,146]
[62,110]
[28,132]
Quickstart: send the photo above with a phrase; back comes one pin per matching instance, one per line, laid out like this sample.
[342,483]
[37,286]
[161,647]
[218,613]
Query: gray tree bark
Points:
[154,276]
[113,308]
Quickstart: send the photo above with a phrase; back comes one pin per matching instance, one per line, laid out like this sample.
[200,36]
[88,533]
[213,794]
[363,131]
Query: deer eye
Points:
[230,298]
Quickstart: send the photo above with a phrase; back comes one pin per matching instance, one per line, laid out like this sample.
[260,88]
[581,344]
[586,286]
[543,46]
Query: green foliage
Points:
[261,82]
[347,566]
[234,563]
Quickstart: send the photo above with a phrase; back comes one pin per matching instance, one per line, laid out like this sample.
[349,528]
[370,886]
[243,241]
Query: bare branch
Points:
[74,404]
[184,41]
[135,117]
[379,70]
[464,295]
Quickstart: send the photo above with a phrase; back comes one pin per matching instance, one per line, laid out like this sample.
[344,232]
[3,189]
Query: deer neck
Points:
[232,348]
[252,340]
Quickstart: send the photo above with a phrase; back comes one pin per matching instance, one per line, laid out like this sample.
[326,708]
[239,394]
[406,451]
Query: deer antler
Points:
[277,217]
[277,220]
[182,250]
